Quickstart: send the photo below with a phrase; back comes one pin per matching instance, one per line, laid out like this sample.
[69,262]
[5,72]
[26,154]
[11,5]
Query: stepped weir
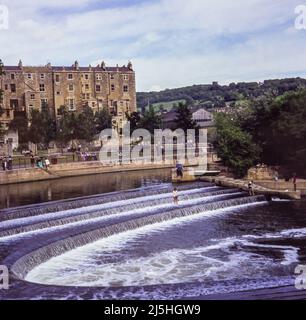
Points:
[52,229]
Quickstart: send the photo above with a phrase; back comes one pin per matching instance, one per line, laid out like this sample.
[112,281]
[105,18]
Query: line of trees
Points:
[42,128]
[152,119]
[270,131]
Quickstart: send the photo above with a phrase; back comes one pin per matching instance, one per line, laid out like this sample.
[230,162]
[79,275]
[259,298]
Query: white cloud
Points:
[171,42]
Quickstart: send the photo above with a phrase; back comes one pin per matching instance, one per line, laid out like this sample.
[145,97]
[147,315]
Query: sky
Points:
[171,43]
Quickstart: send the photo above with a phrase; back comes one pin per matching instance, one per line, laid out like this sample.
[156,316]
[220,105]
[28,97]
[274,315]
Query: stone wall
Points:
[261,173]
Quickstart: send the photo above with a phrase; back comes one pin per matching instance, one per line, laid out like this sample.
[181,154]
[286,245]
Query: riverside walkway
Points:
[258,187]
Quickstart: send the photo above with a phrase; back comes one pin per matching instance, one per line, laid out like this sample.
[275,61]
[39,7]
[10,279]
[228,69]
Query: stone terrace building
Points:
[50,87]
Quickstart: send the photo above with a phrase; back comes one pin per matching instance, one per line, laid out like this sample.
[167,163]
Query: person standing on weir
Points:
[250,187]
[175,196]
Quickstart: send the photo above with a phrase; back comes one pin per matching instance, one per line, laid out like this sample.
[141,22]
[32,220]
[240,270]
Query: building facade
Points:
[51,87]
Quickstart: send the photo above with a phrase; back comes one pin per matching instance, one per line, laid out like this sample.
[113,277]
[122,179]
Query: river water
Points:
[214,240]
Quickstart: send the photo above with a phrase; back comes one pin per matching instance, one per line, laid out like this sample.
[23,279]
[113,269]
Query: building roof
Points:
[202,115]
[72,68]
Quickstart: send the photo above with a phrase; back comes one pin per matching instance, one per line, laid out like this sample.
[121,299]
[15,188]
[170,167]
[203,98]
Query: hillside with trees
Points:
[271,131]
[215,95]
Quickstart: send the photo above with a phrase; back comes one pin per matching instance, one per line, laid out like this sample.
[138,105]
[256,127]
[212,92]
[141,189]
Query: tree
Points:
[85,128]
[150,120]
[20,124]
[134,119]
[235,146]
[42,127]
[183,118]
[103,120]
[67,126]
[279,126]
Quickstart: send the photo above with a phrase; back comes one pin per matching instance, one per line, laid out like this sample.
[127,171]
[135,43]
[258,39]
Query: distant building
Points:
[50,87]
[202,117]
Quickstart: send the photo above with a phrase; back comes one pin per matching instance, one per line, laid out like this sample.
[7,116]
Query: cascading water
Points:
[140,238]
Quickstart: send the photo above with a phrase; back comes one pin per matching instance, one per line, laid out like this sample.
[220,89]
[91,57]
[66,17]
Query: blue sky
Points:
[171,43]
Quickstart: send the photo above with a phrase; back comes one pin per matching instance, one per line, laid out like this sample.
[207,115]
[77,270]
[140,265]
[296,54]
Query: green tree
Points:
[183,119]
[134,119]
[42,127]
[235,146]
[85,125]
[67,127]
[20,124]
[103,120]
[150,120]
[279,126]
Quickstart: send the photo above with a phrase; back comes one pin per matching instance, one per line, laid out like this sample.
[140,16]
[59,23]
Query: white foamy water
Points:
[66,213]
[116,216]
[80,266]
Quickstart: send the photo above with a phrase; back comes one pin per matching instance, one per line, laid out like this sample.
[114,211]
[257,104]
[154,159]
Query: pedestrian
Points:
[47,163]
[3,163]
[32,161]
[294,182]
[175,196]
[10,163]
[250,187]
[179,170]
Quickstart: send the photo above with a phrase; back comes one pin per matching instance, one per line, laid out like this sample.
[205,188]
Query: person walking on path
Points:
[294,182]
[32,161]
[175,196]
[4,163]
[47,163]
[10,163]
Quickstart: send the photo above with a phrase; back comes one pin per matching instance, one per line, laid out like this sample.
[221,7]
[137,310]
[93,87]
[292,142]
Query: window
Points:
[86,86]
[70,76]
[112,76]
[70,87]
[32,96]
[87,96]
[42,76]
[126,77]
[58,93]
[57,78]
[93,104]
[71,104]
[12,76]
[113,87]
[13,87]
[41,87]
[125,88]
[86,76]
[43,104]
[6,87]
[98,88]
[99,76]
[8,115]
[29,75]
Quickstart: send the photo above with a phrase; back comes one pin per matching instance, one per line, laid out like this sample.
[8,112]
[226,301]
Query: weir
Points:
[24,264]
[77,203]
[22,225]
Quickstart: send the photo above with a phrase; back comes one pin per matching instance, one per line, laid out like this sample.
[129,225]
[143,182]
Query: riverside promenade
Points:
[73,169]
[268,188]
